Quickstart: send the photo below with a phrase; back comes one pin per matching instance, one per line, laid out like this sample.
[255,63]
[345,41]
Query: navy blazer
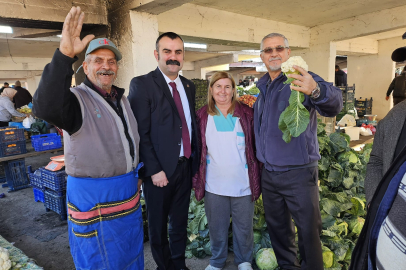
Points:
[159,124]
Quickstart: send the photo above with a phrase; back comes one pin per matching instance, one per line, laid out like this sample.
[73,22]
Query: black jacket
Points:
[22,97]
[341,78]
[398,86]
[55,103]
[159,124]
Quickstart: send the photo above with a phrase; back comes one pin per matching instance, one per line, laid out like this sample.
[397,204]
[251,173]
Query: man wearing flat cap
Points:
[101,151]
[381,244]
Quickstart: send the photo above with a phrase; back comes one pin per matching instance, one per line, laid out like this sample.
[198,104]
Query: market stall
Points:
[15,258]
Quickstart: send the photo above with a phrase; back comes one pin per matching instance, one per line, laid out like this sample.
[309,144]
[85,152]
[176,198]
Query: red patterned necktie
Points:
[187,150]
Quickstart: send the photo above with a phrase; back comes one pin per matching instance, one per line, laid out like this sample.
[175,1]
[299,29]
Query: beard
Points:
[105,86]
[274,68]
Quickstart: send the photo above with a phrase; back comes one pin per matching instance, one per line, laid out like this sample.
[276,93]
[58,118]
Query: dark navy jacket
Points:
[272,150]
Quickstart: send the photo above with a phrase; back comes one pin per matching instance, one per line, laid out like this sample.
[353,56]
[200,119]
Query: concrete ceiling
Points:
[389,34]
[27,48]
[307,13]
[191,56]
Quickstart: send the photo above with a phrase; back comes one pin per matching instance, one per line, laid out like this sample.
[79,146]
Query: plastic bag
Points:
[365,131]
[370,127]
[27,122]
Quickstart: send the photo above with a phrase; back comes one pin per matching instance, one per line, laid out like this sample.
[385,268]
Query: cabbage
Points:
[328,257]
[257,237]
[347,157]
[355,225]
[266,260]
[259,221]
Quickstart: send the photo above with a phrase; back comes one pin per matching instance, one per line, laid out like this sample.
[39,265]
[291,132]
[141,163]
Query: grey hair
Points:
[87,58]
[272,35]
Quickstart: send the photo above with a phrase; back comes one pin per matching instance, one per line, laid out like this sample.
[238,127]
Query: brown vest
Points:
[100,148]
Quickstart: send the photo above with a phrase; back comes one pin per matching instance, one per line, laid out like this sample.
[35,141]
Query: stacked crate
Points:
[12,142]
[36,183]
[348,93]
[54,186]
[364,106]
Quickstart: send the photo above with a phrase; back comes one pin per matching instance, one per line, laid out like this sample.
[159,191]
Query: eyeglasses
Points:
[277,49]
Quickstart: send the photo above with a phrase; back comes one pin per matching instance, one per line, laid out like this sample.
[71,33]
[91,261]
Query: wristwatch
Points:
[316,92]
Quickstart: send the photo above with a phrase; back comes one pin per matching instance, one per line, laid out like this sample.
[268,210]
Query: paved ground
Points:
[43,236]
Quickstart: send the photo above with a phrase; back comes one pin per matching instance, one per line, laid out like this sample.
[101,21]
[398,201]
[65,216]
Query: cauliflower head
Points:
[5,263]
[287,67]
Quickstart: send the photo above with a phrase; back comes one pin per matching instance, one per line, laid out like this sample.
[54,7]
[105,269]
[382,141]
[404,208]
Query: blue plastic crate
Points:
[45,142]
[12,148]
[55,181]
[16,174]
[11,134]
[55,203]
[38,195]
[16,124]
[35,179]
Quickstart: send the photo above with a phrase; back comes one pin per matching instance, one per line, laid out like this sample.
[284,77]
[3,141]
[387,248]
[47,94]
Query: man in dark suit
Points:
[164,105]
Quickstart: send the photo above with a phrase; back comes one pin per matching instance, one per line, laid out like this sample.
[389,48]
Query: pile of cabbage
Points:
[342,205]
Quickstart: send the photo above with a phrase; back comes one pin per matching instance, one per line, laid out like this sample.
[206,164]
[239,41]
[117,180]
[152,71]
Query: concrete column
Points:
[320,59]
[134,34]
[194,74]
[372,75]
[144,28]
[31,85]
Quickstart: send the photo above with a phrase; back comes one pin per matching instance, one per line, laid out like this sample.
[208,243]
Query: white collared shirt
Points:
[185,104]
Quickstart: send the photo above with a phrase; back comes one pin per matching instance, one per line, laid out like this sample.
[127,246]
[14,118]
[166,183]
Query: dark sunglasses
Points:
[277,49]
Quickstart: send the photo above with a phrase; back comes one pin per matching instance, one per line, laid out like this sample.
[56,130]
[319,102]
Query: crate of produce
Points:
[36,179]
[11,134]
[16,174]
[348,93]
[53,201]
[38,194]
[348,96]
[55,181]
[12,148]
[45,142]
[363,103]
[363,111]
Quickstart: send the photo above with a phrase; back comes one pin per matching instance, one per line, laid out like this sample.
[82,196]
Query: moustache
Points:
[172,62]
[276,58]
[105,72]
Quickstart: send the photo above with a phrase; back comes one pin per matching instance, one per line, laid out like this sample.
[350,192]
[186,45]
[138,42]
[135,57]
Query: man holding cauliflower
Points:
[285,123]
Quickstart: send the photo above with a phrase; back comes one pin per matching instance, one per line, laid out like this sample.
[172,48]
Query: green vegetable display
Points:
[342,206]
[253,90]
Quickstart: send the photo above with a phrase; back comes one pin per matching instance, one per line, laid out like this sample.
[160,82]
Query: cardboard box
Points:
[353,132]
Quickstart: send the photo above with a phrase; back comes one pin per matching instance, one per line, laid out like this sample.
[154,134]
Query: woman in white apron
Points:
[229,173]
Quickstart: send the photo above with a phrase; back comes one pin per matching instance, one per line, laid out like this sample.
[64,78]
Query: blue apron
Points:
[105,222]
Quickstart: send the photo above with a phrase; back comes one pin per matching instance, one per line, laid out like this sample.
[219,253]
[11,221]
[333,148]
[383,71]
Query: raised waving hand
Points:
[71,44]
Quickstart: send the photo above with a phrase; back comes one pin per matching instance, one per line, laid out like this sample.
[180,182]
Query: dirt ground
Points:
[43,237]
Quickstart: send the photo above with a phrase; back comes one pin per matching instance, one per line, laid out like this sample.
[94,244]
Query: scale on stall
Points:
[57,163]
